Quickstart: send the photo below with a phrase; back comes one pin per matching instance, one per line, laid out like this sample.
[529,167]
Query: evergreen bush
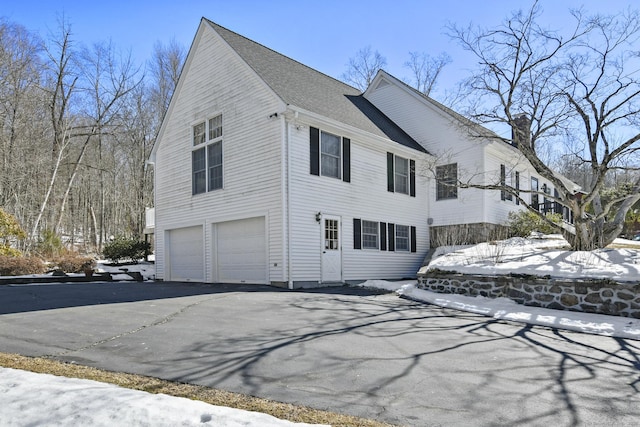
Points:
[50,244]
[523,223]
[123,248]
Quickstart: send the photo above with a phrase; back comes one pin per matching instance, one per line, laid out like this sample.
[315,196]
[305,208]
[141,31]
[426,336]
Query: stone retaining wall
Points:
[590,296]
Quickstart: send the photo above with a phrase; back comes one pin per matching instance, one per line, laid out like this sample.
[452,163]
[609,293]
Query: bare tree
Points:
[578,86]
[604,94]
[105,81]
[362,68]
[165,67]
[59,89]
[20,111]
[76,127]
[425,70]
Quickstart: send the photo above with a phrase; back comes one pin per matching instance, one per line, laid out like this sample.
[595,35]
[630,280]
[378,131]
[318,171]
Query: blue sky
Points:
[322,34]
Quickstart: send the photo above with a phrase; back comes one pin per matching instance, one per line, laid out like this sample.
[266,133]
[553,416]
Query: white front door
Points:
[331,249]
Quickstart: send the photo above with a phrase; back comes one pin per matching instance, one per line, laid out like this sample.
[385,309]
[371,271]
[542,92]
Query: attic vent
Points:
[382,84]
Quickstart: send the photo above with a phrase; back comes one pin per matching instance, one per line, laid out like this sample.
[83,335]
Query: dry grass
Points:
[621,244]
[212,396]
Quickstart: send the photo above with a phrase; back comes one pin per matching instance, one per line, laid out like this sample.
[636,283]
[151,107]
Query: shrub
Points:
[50,244]
[74,263]
[523,223]
[18,266]
[123,248]
[10,231]
[6,250]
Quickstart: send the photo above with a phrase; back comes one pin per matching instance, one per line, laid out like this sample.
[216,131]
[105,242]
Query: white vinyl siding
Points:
[437,133]
[366,197]
[243,101]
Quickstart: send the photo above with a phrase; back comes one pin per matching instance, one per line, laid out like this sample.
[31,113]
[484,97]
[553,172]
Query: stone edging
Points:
[602,296]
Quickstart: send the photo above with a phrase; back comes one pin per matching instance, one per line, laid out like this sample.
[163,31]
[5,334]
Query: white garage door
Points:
[186,258]
[241,251]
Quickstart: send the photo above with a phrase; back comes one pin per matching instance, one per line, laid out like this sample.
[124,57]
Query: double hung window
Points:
[535,201]
[384,236]
[506,180]
[402,238]
[401,176]
[206,157]
[329,155]
[447,181]
[370,235]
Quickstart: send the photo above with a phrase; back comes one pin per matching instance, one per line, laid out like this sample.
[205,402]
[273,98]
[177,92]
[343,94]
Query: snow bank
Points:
[506,309]
[27,398]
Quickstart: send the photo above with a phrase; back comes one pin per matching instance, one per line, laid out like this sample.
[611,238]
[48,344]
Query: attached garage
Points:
[241,251]
[185,250]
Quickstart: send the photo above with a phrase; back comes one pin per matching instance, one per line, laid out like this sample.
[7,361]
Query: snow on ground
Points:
[147,269]
[545,255]
[28,399]
[39,399]
[506,309]
[541,257]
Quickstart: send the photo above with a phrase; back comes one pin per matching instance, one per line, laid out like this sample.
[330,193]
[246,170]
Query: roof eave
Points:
[348,128]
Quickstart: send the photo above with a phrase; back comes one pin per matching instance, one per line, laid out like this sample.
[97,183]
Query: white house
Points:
[267,171]
[462,153]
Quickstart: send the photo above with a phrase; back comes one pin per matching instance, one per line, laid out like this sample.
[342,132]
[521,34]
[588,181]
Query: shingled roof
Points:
[303,87]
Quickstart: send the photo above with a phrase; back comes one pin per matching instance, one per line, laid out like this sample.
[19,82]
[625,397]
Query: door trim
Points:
[325,274]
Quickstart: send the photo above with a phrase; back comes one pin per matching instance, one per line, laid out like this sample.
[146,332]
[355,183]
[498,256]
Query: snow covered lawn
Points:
[27,398]
[545,256]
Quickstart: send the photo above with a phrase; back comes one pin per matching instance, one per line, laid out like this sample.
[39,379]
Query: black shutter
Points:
[314,139]
[357,234]
[412,178]
[392,237]
[517,187]
[413,239]
[383,236]
[503,181]
[346,159]
[390,186]
[557,207]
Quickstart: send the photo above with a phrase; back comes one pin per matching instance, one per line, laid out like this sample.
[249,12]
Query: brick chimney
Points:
[521,130]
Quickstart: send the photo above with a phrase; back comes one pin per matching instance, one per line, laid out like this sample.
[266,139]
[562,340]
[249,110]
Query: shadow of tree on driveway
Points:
[407,362]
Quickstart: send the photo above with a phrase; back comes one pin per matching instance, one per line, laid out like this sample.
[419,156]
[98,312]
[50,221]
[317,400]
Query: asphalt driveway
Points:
[341,349]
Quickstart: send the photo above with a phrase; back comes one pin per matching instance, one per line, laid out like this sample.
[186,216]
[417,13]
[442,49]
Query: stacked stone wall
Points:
[589,296]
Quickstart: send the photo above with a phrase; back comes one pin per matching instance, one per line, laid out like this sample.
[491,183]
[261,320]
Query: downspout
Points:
[288,201]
